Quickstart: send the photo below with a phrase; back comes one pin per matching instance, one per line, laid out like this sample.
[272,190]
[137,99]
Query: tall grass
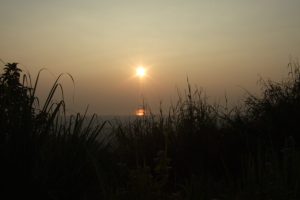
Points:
[249,152]
[44,152]
[197,150]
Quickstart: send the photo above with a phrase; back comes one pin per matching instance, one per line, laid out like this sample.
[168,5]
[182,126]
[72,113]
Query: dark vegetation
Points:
[196,151]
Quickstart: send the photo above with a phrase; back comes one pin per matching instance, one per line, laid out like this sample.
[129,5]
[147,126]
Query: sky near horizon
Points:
[222,46]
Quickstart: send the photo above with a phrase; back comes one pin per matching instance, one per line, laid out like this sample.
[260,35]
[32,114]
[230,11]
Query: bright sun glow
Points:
[140,72]
[140,112]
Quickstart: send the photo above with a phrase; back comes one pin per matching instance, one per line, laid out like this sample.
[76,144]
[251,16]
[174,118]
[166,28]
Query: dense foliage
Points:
[195,151]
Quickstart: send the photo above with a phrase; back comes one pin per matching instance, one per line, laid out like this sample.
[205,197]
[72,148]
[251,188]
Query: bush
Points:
[44,152]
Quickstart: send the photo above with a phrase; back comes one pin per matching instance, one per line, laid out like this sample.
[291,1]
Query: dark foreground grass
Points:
[44,154]
[196,151]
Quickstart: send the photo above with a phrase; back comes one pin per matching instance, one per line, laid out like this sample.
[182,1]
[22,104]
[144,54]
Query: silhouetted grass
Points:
[206,152]
[196,151]
[44,153]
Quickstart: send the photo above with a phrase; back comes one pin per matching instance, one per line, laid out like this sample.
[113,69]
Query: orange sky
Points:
[222,46]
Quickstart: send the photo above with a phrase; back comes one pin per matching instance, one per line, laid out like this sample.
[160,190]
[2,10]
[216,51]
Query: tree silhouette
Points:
[15,109]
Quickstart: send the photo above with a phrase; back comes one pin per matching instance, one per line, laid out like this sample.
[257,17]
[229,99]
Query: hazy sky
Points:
[222,46]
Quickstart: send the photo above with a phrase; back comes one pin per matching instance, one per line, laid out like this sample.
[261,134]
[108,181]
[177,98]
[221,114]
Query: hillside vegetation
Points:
[197,151]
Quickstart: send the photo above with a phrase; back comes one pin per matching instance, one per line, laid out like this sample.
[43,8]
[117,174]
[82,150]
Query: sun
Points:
[140,71]
[140,112]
